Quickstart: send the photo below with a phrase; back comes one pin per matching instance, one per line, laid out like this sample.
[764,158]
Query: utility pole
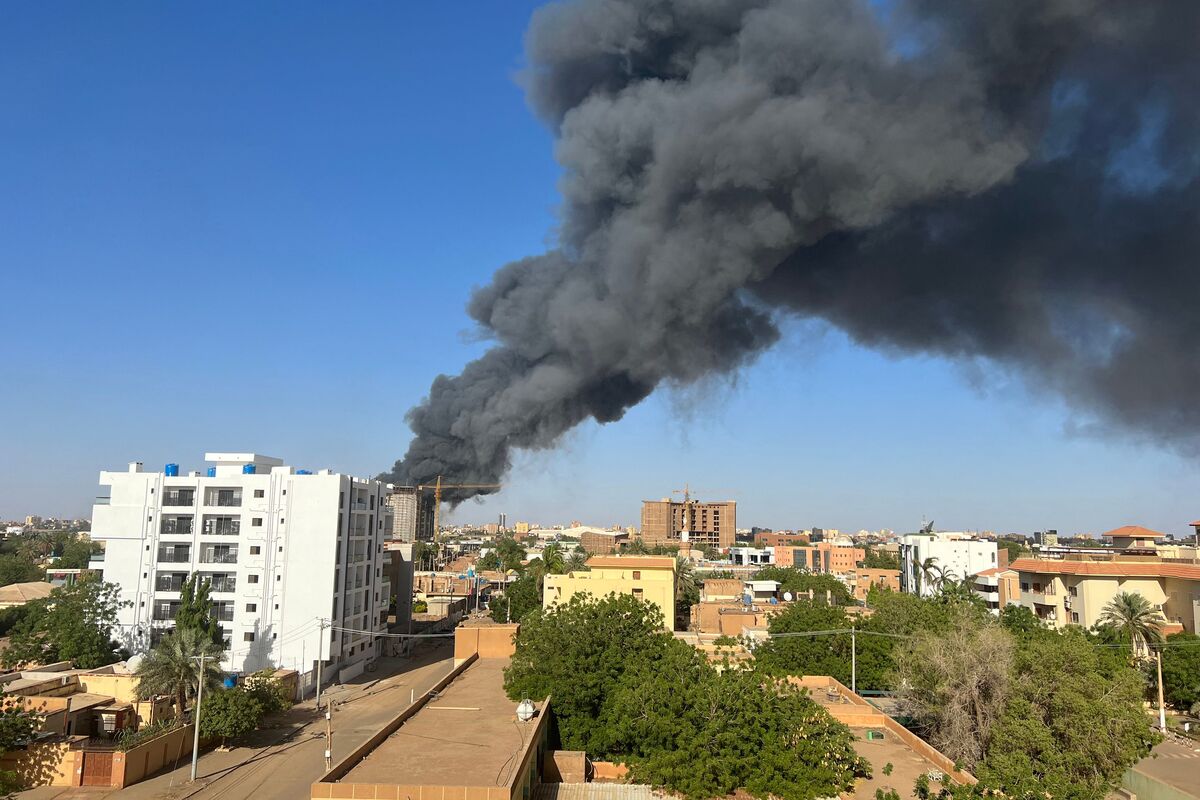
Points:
[196,716]
[328,734]
[320,660]
[853,660]
[1162,711]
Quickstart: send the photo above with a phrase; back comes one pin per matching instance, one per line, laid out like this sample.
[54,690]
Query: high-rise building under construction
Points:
[412,514]
[666,521]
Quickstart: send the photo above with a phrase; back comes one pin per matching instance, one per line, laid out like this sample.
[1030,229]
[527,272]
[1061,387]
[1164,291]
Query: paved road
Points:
[280,762]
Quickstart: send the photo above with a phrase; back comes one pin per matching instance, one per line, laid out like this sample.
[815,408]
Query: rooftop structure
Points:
[18,594]
[667,521]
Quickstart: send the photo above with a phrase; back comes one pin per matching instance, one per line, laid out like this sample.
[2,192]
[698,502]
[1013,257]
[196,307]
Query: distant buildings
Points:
[597,542]
[927,559]
[699,524]
[1073,587]
[288,554]
[647,578]
[412,514]
[835,557]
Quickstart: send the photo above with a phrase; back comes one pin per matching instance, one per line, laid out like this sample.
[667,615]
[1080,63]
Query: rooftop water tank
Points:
[171,470]
[304,472]
[212,472]
[247,469]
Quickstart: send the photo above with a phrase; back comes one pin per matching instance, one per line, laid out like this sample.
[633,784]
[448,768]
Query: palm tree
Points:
[554,559]
[685,578]
[577,562]
[1133,615]
[173,666]
[926,573]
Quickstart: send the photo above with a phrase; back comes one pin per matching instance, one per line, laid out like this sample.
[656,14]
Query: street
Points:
[282,760]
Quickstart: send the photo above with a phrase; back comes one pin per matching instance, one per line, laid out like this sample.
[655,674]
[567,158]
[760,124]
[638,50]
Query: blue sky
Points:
[255,226]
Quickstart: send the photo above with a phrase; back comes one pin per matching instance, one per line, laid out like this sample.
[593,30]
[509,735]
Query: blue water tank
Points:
[247,469]
[212,472]
[171,470]
[304,472]
[230,681]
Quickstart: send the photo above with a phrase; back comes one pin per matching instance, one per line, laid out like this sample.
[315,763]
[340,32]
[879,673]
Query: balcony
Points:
[176,525]
[231,498]
[174,555]
[224,583]
[222,526]
[165,611]
[103,501]
[169,582]
[219,555]
[223,612]
[179,497]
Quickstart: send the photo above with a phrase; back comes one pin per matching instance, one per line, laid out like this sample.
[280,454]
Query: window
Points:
[637,574]
[1075,617]
[255,549]
[256,522]
[637,594]
[248,636]
[282,520]
[259,493]
[251,607]
[252,579]
[278,577]
[1074,590]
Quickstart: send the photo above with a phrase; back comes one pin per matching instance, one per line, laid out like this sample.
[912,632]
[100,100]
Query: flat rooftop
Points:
[467,736]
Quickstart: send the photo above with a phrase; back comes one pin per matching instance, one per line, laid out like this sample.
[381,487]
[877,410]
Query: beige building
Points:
[666,521]
[647,578]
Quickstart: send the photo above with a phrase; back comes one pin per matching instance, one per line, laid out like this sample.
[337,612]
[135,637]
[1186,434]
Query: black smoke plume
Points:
[1008,179]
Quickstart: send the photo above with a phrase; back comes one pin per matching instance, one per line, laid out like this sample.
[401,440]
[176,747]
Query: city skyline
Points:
[190,307]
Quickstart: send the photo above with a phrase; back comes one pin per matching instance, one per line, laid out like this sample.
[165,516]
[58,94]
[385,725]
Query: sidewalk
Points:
[283,758]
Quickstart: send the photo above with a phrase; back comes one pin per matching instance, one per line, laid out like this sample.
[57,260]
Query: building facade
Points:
[412,515]
[956,555]
[829,557]
[295,560]
[602,543]
[700,524]
[647,578]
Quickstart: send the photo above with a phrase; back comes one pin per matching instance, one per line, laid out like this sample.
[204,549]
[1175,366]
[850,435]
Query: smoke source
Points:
[1007,179]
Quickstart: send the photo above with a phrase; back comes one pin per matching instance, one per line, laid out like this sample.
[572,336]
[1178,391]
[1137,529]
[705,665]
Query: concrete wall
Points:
[1148,788]
[47,764]
[148,758]
[485,641]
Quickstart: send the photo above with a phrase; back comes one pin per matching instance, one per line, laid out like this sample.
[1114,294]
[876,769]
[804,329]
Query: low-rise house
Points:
[861,580]
[647,578]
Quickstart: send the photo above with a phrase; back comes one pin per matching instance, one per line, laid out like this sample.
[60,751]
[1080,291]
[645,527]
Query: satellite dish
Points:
[787,596]
[132,662]
[526,710]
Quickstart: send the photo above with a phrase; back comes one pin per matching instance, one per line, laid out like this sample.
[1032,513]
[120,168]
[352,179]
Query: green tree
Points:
[787,653]
[19,569]
[576,652]
[1181,670]
[229,714]
[1132,615]
[172,667]
[424,555]
[881,559]
[577,562]
[518,599]
[687,590]
[928,573]
[1020,621]
[553,559]
[17,727]
[1015,549]
[511,553]
[196,609]
[1072,725]
[490,561]
[270,692]
[73,624]
[75,553]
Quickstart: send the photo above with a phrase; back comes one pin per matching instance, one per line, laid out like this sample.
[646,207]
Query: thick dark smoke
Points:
[1007,179]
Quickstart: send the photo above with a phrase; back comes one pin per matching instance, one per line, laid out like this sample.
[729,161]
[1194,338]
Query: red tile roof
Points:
[1135,532]
[1112,569]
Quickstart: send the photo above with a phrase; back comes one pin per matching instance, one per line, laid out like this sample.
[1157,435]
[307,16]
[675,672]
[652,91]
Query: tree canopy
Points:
[1181,670]
[172,667]
[195,610]
[74,624]
[518,599]
[229,714]
[796,581]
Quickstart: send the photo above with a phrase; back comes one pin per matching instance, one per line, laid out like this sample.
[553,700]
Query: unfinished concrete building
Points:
[412,515]
[667,521]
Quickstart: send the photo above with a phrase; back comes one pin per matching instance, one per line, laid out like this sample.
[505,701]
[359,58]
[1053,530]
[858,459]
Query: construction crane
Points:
[437,488]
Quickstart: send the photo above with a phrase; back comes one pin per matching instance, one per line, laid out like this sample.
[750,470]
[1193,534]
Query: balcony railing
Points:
[223,557]
[223,497]
[103,501]
[179,498]
[224,583]
[177,526]
[169,583]
[223,612]
[166,613]
[222,527]
[174,556]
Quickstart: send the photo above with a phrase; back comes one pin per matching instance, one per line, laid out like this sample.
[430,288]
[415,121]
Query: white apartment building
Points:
[295,559]
[958,554]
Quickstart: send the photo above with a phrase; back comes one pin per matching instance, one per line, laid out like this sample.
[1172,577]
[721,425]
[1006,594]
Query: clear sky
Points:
[254,227]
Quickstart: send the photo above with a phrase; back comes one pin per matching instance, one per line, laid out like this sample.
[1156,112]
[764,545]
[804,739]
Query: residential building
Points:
[1073,588]
[698,524]
[835,557]
[521,527]
[860,580]
[602,543]
[647,578]
[295,559]
[950,554]
[998,587]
